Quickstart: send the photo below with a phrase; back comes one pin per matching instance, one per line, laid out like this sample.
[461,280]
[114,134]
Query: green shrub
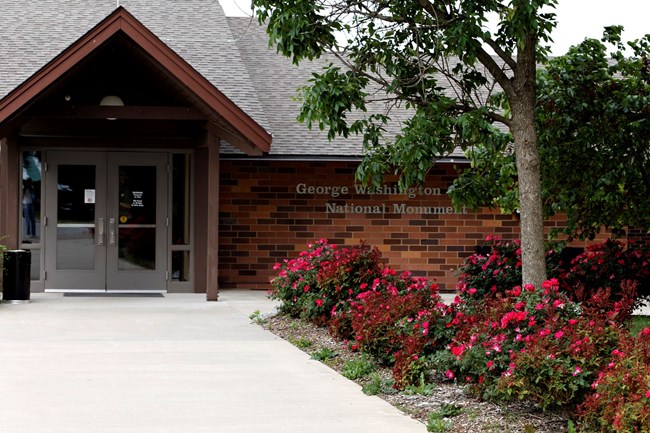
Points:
[257,317]
[2,256]
[324,354]
[382,313]
[377,385]
[301,343]
[495,269]
[421,388]
[603,275]
[638,323]
[529,343]
[439,420]
[323,279]
[296,284]
[505,341]
[556,369]
[438,425]
[358,368]
[400,320]
[620,401]
[608,270]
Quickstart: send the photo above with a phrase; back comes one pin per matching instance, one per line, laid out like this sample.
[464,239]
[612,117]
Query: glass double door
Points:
[106,220]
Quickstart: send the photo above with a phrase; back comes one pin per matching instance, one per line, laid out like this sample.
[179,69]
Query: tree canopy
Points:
[465,83]
[593,118]
[594,123]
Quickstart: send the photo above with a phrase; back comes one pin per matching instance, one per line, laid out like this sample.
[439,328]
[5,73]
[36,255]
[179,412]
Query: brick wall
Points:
[638,236]
[270,210]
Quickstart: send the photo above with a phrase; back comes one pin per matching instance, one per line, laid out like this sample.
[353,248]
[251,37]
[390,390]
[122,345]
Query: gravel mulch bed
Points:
[466,413]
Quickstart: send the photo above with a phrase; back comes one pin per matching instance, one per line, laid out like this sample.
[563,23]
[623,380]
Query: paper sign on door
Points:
[89,196]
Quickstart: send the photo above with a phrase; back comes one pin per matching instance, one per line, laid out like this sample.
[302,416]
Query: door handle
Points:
[100,231]
[111,231]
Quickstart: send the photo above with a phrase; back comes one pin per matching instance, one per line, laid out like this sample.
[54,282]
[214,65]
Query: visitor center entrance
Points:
[106,218]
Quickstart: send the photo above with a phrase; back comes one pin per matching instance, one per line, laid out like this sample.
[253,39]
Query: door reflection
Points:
[75,228]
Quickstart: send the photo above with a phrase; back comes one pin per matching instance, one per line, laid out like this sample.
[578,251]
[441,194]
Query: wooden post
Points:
[206,229]
[9,194]
[212,228]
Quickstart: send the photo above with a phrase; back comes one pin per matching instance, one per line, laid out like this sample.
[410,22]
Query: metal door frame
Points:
[106,277]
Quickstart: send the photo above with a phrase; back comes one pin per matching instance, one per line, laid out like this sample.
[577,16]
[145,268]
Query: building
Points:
[154,147]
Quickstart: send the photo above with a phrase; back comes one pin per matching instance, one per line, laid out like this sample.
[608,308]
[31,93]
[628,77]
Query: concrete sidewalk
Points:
[176,364]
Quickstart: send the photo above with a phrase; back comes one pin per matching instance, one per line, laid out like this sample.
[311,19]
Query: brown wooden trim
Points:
[126,112]
[206,219]
[212,271]
[121,20]
[200,219]
[4,162]
[222,133]
[9,194]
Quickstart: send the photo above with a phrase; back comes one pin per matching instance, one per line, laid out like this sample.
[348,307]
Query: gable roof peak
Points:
[124,21]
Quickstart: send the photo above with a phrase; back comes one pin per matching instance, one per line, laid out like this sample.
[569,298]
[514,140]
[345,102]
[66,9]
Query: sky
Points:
[577,19]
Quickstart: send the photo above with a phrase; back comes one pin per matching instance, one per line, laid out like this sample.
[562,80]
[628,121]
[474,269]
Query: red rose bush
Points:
[563,344]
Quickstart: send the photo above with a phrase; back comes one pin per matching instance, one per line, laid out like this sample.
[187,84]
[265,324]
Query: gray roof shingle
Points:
[277,82]
[34,32]
[232,53]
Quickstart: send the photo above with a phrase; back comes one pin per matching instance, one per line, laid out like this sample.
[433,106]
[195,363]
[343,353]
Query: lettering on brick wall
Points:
[335,191]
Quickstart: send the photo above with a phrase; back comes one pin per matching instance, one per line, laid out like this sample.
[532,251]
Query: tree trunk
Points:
[528,166]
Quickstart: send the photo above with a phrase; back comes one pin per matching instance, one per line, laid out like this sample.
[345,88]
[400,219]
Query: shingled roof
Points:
[34,32]
[231,53]
[277,81]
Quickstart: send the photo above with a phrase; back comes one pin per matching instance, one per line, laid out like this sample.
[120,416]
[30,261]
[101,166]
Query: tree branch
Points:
[496,71]
[486,60]
[507,58]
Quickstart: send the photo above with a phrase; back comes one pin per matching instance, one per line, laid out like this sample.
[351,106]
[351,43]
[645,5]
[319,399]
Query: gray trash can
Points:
[16,276]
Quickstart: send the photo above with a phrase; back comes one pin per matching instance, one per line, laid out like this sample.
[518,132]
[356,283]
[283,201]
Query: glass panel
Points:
[31,200]
[137,249]
[35,269]
[181,199]
[137,221]
[180,265]
[76,217]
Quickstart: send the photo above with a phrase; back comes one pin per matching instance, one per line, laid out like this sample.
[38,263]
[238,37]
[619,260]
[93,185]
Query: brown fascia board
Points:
[122,20]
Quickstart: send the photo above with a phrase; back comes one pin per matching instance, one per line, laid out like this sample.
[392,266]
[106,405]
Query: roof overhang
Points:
[224,117]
